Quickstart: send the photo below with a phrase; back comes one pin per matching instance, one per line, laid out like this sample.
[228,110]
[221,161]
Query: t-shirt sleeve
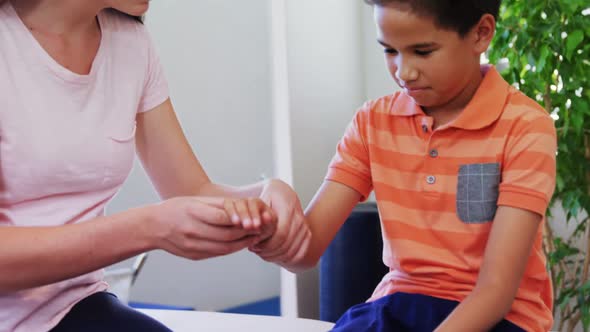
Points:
[350,165]
[155,90]
[529,167]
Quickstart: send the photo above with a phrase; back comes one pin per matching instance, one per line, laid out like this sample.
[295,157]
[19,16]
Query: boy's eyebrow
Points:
[419,45]
[384,44]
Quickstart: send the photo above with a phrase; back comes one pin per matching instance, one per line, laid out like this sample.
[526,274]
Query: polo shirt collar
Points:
[487,103]
[483,109]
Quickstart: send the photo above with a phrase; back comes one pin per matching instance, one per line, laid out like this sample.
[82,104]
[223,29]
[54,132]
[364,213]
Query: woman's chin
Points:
[136,10]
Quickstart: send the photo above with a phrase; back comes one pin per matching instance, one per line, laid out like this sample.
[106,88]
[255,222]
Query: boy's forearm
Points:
[324,216]
[480,311]
[297,267]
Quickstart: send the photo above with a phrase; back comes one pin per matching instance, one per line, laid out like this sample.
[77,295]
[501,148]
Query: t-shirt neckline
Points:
[56,67]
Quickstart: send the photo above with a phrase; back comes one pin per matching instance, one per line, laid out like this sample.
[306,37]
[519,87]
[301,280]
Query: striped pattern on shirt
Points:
[438,190]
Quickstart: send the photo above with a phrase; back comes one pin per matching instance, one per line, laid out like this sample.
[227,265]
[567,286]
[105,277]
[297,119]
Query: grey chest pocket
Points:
[477,192]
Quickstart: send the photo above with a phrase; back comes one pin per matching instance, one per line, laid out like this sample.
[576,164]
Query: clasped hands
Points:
[272,225]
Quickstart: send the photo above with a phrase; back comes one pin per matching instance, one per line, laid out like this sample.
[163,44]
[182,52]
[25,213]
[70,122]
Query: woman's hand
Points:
[290,241]
[197,228]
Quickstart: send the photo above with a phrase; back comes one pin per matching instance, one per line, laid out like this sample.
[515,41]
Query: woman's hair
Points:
[457,15]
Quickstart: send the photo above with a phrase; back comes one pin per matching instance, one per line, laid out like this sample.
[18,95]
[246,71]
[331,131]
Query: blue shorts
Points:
[102,312]
[403,312]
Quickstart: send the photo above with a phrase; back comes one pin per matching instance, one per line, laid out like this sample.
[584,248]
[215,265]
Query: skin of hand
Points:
[292,237]
[252,214]
[198,228]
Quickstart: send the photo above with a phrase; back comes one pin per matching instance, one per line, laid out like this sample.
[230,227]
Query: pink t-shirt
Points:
[67,143]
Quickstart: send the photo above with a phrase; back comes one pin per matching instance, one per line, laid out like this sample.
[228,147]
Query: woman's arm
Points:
[170,161]
[34,256]
[506,256]
[184,226]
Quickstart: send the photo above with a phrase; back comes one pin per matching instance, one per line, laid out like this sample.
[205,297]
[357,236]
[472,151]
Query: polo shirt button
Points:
[424,128]
[430,179]
[433,153]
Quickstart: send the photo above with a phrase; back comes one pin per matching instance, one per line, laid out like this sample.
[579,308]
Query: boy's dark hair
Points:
[458,15]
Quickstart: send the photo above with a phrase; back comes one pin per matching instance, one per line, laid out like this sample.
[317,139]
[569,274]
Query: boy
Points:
[463,168]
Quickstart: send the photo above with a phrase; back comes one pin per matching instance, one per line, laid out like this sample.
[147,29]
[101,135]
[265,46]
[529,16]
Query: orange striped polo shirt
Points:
[438,190]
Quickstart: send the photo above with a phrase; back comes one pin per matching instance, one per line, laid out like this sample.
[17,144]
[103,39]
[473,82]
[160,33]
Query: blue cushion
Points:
[352,266]
[142,305]
[268,307]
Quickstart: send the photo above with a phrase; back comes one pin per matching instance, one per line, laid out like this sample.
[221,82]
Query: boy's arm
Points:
[506,255]
[324,215]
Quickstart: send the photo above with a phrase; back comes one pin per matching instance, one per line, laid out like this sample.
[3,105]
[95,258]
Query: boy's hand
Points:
[288,245]
[251,214]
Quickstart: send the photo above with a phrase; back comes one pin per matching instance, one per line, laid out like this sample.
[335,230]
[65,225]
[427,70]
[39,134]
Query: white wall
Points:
[326,85]
[378,82]
[326,82]
[216,56]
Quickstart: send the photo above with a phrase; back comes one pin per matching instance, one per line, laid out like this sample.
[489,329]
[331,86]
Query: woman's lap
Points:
[101,312]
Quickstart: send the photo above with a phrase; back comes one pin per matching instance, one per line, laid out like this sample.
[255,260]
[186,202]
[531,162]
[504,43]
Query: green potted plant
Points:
[543,47]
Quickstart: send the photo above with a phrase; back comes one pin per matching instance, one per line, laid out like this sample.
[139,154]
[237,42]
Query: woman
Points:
[81,89]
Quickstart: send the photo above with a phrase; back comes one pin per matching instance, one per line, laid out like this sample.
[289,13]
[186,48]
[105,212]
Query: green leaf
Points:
[564,301]
[543,57]
[585,310]
[560,184]
[572,42]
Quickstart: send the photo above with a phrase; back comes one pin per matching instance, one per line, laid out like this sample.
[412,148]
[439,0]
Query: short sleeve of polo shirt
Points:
[529,165]
[350,165]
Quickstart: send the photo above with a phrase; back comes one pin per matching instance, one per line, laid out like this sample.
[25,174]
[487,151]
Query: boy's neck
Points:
[447,113]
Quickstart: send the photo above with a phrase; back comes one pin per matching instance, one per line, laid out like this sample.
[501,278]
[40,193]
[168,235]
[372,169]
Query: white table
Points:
[193,321]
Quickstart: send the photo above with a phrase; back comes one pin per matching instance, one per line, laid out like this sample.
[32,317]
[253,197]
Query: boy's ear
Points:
[483,33]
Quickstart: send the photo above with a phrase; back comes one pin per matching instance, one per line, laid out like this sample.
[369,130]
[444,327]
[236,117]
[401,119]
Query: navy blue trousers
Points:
[102,312]
[403,312]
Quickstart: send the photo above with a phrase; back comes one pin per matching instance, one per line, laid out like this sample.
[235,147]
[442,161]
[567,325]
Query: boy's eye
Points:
[423,52]
[390,51]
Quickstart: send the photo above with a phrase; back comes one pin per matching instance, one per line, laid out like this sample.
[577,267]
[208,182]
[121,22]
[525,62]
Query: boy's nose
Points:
[405,73]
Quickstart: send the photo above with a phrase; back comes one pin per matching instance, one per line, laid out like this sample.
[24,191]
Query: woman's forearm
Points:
[35,256]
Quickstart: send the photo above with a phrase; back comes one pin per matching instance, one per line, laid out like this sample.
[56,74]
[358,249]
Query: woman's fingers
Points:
[205,248]
[208,213]
[220,234]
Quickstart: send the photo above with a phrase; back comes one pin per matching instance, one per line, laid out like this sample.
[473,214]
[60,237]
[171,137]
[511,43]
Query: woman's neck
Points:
[65,18]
